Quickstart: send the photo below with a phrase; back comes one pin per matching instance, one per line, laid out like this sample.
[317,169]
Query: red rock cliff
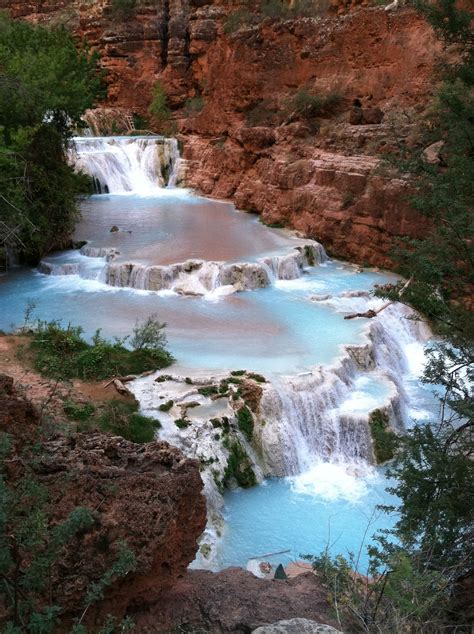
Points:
[318,174]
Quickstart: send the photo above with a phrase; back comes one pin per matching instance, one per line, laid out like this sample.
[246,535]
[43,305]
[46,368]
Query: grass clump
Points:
[182,423]
[122,419]
[257,377]
[165,407]
[208,390]
[159,104]
[239,467]
[308,105]
[238,372]
[62,352]
[78,411]
[384,440]
[245,422]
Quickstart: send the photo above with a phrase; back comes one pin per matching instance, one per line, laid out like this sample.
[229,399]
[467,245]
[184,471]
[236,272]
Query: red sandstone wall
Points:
[320,178]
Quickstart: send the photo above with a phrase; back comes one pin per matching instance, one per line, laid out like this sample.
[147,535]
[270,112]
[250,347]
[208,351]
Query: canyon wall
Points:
[238,90]
[146,496]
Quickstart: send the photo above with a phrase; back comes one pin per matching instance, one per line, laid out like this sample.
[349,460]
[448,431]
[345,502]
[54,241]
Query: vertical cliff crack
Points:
[165,34]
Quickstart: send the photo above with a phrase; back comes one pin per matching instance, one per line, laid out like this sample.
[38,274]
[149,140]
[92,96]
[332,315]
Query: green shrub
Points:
[308,105]
[257,377]
[208,390]
[122,419]
[182,423]
[165,407]
[245,422]
[238,19]
[122,9]
[62,353]
[238,466]
[159,105]
[384,440]
[149,335]
[238,372]
[193,106]
[78,411]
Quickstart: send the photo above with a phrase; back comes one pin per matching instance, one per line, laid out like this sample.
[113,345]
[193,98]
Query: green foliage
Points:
[31,547]
[417,564]
[239,467]
[62,353]
[308,105]
[256,377]
[281,9]
[150,335]
[165,407]
[193,106]
[182,423]
[238,372]
[384,440]
[122,9]
[245,422]
[208,390]
[122,419]
[159,105]
[45,85]
[237,20]
[78,411]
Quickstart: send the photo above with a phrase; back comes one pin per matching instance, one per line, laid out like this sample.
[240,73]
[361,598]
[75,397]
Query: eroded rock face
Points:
[234,600]
[296,626]
[322,176]
[147,496]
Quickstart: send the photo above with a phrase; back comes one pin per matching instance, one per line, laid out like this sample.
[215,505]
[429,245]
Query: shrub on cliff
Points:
[159,108]
[122,9]
[308,105]
[32,546]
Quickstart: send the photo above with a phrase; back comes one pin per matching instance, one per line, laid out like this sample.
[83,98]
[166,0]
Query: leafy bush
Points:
[237,20]
[238,466]
[308,105]
[182,423]
[159,105]
[193,106]
[245,422]
[62,353]
[208,390]
[46,83]
[78,411]
[150,335]
[122,419]
[384,440]
[165,407]
[122,9]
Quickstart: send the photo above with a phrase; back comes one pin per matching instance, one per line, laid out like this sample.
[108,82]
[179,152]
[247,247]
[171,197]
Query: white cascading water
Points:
[314,418]
[127,165]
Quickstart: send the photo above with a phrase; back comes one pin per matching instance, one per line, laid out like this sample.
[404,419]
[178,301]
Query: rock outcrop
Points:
[145,496]
[234,601]
[296,626]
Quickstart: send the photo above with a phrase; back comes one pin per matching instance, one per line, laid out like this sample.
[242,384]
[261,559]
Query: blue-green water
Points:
[278,330]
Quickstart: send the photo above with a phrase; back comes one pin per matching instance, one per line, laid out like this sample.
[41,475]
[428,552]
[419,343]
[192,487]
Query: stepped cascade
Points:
[271,338]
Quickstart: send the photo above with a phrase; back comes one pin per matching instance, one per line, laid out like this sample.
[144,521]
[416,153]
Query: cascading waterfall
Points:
[313,418]
[126,165]
[192,277]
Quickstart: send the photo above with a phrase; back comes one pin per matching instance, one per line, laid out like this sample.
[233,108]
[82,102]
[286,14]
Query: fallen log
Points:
[129,377]
[370,314]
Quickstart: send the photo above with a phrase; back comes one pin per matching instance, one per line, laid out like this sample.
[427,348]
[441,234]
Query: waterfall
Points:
[319,417]
[198,277]
[121,165]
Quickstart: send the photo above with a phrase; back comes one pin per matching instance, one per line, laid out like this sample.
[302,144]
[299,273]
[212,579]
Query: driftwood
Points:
[370,314]
[120,387]
[129,377]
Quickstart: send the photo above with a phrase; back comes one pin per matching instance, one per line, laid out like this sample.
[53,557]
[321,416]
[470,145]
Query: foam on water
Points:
[332,482]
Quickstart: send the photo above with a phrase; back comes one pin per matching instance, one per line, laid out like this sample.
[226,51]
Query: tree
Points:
[46,83]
